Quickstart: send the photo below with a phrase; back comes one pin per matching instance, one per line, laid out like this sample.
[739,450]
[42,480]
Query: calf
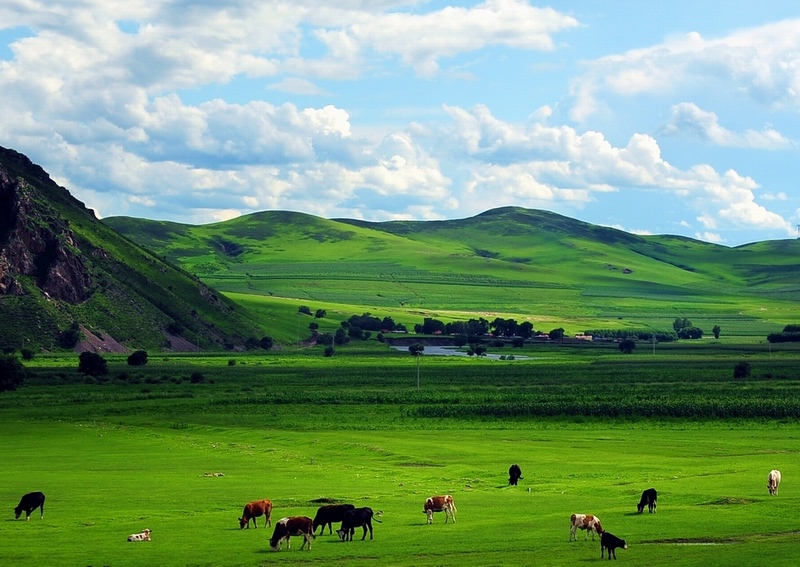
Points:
[773,481]
[650,499]
[440,504]
[144,536]
[294,526]
[28,503]
[584,522]
[256,509]
[611,542]
[514,474]
[357,518]
[330,514]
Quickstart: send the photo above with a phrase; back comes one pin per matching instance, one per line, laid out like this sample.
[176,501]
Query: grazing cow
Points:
[28,503]
[144,536]
[357,518]
[254,510]
[650,499]
[440,504]
[294,526]
[611,542]
[330,514]
[514,474]
[584,522]
[773,482]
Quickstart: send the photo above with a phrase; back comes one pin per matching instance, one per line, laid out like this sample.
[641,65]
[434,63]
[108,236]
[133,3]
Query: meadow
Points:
[142,447]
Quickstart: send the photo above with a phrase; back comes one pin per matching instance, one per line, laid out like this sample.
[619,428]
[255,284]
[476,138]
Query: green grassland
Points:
[529,264]
[590,427]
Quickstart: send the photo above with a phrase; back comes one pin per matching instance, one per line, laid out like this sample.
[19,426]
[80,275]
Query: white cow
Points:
[774,481]
[143,536]
[584,522]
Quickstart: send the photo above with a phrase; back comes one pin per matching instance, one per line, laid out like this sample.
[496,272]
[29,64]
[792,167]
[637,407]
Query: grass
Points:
[135,451]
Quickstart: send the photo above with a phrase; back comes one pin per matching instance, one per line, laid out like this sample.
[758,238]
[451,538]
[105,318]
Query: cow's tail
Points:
[377,515]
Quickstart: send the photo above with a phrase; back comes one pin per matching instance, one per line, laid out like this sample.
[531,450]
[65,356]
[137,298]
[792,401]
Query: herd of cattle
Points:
[352,517]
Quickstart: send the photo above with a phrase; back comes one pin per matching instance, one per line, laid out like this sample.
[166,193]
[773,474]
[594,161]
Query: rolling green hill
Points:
[61,268]
[531,263]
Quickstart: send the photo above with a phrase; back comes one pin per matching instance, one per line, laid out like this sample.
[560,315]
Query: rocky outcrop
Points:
[36,241]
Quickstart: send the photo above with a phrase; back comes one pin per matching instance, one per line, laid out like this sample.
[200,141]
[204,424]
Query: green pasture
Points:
[142,448]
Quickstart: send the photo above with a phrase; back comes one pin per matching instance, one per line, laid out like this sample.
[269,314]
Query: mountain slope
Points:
[60,266]
[510,260]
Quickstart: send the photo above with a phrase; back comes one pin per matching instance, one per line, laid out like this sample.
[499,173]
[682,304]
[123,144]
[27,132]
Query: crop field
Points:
[151,447]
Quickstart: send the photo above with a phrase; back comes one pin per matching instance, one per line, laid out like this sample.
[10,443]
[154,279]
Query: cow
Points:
[293,526]
[356,518]
[29,502]
[611,542]
[143,536]
[329,514]
[440,504]
[254,510]
[773,482]
[650,499]
[584,522]
[514,474]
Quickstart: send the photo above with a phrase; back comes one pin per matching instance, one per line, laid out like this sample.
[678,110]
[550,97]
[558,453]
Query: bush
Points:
[12,373]
[27,354]
[329,350]
[232,362]
[92,364]
[68,338]
[741,370]
[138,358]
[266,342]
[197,377]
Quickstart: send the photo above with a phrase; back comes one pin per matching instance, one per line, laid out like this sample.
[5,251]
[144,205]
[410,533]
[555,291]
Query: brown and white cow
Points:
[440,504]
[143,536]
[773,482]
[584,522]
[256,509]
[293,526]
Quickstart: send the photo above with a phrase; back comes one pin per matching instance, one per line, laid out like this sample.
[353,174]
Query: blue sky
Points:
[652,117]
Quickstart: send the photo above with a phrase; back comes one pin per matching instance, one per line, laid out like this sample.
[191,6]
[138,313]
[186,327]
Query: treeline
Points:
[480,327]
[790,334]
[635,334]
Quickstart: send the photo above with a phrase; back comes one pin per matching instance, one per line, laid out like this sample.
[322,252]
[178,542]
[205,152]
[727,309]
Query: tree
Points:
[27,354]
[12,373]
[716,330]
[329,350]
[266,342]
[556,334]
[313,326]
[341,338]
[741,370]
[690,333]
[320,314]
[70,336]
[138,358]
[681,323]
[92,364]
[626,346]
[304,309]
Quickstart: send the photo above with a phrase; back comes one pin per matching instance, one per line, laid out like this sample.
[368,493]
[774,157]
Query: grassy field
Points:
[140,448]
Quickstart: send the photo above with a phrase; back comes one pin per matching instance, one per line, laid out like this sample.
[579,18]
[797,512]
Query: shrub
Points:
[92,364]
[138,358]
[12,373]
[741,370]
[197,377]
[266,342]
[27,354]
[232,362]
[329,350]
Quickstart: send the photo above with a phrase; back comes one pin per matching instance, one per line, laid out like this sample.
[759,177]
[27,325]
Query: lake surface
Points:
[454,351]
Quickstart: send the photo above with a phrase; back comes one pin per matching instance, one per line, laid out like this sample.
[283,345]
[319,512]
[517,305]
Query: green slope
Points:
[133,296]
[508,260]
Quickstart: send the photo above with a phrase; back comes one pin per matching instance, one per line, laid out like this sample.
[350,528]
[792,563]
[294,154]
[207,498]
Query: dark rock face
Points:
[36,241]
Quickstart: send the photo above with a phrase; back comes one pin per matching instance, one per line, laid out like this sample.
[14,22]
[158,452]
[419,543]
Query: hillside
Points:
[510,260]
[61,268]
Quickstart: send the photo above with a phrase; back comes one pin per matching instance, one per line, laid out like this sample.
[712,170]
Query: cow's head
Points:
[243,523]
[17,513]
[275,544]
[640,507]
[342,534]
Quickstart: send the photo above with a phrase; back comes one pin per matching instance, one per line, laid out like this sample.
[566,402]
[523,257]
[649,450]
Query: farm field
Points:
[133,451]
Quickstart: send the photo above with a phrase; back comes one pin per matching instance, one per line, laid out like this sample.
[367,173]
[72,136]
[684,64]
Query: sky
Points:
[652,117]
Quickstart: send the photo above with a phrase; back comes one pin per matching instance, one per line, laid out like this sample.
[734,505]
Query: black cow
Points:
[330,514]
[358,518]
[649,499]
[611,542]
[514,474]
[29,503]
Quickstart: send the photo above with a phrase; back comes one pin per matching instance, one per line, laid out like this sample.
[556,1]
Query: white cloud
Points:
[763,62]
[690,120]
